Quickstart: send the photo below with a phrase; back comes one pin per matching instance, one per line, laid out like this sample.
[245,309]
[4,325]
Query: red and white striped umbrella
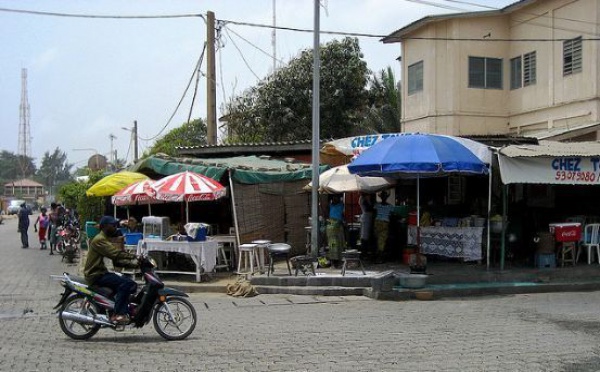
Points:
[137,193]
[187,186]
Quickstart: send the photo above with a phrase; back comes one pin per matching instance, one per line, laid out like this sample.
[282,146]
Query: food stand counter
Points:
[457,242]
[204,254]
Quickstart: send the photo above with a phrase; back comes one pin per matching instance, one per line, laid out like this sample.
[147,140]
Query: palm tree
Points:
[383,113]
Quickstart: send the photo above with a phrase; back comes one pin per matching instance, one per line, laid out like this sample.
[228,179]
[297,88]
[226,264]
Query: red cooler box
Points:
[566,231]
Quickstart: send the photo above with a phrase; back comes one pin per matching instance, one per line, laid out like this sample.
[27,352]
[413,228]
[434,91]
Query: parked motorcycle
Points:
[67,241]
[83,309]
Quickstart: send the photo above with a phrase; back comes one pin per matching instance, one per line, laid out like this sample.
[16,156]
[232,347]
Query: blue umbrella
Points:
[415,155]
[418,155]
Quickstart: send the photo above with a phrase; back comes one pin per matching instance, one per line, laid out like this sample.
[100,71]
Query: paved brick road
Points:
[545,332]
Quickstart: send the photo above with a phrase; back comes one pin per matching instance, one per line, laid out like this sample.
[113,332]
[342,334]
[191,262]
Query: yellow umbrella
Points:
[112,183]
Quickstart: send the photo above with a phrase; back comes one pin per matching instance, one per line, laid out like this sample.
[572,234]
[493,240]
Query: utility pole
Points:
[211,85]
[135,142]
[113,159]
[274,36]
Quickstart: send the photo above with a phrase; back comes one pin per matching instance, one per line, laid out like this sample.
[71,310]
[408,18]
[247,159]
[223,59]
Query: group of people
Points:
[374,220]
[46,224]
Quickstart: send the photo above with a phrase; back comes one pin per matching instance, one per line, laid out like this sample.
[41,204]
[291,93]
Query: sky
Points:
[88,78]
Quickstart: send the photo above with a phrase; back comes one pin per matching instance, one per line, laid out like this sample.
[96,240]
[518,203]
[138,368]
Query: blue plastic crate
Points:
[133,238]
[545,260]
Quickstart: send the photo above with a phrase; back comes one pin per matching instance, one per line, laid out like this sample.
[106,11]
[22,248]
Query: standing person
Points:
[382,222]
[335,230]
[367,207]
[44,220]
[24,225]
[97,274]
[56,220]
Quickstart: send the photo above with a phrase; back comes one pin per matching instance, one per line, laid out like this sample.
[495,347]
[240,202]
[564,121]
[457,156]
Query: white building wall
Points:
[447,105]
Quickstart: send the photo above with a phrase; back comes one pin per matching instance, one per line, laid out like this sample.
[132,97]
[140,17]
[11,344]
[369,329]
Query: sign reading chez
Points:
[568,170]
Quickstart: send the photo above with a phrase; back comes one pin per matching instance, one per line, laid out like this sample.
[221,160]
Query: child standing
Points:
[44,220]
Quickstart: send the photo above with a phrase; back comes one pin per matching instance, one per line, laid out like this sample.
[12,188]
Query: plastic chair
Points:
[591,240]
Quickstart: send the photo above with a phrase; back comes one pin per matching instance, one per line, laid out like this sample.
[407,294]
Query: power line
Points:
[341,33]
[255,46]
[436,5]
[241,54]
[198,72]
[73,15]
[180,101]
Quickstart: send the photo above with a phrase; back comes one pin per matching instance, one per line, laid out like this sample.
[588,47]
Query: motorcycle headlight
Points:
[152,262]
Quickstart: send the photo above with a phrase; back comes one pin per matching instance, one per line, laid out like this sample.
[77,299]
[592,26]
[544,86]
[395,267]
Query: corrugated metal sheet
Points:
[552,148]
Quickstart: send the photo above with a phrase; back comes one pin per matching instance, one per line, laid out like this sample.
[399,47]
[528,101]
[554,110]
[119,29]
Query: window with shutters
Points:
[529,69]
[572,51]
[523,70]
[485,73]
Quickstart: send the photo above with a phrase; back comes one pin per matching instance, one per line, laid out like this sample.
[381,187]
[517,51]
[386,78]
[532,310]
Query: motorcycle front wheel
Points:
[80,306]
[174,319]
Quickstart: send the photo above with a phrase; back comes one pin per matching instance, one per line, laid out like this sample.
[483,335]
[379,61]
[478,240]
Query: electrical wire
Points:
[436,5]
[255,46]
[72,15]
[241,54]
[178,104]
[198,73]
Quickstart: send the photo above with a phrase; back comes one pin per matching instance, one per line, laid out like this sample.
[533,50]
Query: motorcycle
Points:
[67,241]
[83,309]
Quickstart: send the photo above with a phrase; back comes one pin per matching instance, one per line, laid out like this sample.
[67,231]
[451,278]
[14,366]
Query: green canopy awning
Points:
[245,169]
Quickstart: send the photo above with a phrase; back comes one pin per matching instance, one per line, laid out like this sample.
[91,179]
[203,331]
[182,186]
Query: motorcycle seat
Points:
[78,279]
[104,291]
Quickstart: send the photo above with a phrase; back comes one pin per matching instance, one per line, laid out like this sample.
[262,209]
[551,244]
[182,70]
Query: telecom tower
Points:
[24,148]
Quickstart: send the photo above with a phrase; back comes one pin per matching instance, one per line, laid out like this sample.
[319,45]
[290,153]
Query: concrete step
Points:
[311,290]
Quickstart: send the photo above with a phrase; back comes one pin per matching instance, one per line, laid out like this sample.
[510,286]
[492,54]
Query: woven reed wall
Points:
[276,211]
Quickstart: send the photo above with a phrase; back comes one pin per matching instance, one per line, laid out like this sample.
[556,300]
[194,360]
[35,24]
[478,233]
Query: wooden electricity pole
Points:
[211,110]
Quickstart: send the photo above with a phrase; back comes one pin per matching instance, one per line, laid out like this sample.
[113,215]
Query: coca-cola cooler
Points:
[566,231]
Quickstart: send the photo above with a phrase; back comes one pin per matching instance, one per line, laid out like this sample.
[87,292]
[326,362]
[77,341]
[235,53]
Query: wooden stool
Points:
[247,254]
[351,255]
[568,253]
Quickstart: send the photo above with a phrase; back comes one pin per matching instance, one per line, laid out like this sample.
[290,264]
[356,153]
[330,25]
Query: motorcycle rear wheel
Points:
[182,323]
[73,329]
[60,247]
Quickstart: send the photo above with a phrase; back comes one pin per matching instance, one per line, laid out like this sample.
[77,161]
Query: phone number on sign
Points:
[576,176]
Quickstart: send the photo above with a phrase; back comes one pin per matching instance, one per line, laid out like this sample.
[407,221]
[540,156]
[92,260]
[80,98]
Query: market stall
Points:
[422,156]
[574,165]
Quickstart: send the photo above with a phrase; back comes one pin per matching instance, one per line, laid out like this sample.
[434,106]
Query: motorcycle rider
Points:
[97,274]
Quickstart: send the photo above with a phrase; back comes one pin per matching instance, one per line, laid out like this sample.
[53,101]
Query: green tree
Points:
[189,134]
[383,114]
[54,170]
[279,108]
[14,167]
[72,194]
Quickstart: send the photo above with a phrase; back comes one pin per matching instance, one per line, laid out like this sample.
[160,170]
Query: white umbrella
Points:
[339,180]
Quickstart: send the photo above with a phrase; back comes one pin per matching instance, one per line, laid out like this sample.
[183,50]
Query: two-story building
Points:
[26,189]
[530,69]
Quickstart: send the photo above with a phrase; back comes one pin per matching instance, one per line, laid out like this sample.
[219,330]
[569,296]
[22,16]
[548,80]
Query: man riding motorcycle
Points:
[97,274]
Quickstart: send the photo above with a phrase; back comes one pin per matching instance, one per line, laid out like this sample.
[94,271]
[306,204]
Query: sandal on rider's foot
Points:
[119,319]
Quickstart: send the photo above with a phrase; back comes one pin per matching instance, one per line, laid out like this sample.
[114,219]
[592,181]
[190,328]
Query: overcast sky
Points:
[89,77]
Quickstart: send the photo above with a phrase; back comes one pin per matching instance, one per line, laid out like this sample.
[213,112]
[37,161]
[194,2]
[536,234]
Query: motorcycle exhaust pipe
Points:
[85,319]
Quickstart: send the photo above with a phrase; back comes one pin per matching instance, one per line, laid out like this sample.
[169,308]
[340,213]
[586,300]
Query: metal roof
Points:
[552,148]
[398,35]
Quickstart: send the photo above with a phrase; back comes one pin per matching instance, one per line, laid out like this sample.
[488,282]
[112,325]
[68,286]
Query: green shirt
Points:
[99,248]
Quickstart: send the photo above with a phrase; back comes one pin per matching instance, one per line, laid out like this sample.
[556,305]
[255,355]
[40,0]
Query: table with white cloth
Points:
[457,242]
[204,254]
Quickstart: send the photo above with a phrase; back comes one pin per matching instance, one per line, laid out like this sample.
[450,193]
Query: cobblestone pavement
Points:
[542,332]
